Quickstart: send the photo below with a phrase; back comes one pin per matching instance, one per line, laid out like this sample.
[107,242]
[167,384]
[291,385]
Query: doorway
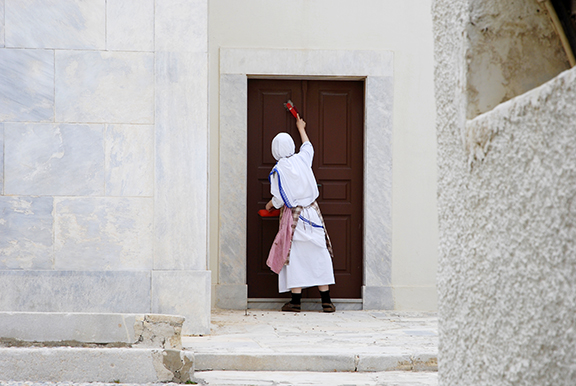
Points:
[334,112]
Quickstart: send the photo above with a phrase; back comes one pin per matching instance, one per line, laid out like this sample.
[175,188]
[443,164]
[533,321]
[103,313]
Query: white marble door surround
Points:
[376,67]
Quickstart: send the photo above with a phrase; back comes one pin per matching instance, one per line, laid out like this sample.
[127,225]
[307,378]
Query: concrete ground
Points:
[313,348]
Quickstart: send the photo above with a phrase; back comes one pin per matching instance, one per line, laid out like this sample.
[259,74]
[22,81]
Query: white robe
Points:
[310,262]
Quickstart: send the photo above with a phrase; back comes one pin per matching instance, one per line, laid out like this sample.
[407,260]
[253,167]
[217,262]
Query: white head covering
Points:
[296,182]
[282,146]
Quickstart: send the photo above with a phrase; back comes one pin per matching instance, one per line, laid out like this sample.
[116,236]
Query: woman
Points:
[308,261]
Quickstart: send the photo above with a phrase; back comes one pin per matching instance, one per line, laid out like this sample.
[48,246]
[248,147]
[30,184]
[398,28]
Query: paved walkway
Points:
[314,348]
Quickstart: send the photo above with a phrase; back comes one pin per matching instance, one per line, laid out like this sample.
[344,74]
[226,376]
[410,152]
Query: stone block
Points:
[2,29]
[233,97]
[130,25]
[27,84]
[232,296]
[76,329]
[378,170]
[49,159]
[275,362]
[367,362]
[164,331]
[103,233]
[129,160]
[181,169]
[114,87]
[185,293]
[64,364]
[306,62]
[68,327]
[377,298]
[1,158]
[26,225]
[182,25]
[75,291]
[63,24]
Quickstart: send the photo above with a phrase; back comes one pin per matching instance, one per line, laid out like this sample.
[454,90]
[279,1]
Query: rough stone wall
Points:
[512,48]
[103,157]
[507,213]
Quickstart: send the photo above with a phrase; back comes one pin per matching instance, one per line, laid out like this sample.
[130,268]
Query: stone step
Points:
[74,364]
[314,361]
[78,329]
[294,378]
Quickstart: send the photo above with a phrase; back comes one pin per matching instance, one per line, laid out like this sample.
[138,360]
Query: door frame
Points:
[376,68]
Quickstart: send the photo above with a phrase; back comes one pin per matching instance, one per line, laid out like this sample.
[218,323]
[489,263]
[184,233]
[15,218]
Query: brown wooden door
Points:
[334,113]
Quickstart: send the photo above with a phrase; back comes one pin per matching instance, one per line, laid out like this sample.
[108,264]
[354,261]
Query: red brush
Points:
[290,107]
[266,213]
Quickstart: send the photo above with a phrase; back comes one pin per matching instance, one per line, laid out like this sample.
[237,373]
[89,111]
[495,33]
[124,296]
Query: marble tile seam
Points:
[8,48]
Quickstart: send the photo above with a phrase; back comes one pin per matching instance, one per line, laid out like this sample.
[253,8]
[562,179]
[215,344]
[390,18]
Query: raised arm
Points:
[301,125]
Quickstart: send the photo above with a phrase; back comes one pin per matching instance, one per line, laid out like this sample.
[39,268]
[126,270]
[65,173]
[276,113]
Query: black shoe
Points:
[291,307]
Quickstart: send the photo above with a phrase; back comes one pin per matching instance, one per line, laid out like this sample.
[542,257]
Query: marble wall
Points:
[103,156]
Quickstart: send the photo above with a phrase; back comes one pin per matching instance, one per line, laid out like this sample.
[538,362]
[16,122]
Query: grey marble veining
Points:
[111,87]
[129,160]
[26,227]
[233,148]
[182,25]
[181,168]
[130,25]
[75,291]
[306,62]
[50,159]
[26,85]
[378,189]
[63,24]
[103,233]
[1,158]
[2,23]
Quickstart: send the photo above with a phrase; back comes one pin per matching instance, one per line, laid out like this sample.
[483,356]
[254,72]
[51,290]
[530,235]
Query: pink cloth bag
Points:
[280,249]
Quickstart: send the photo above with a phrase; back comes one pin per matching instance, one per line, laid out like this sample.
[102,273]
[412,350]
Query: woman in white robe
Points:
[292,184]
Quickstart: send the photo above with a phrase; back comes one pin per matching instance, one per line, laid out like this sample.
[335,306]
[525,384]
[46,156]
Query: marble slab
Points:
[27,84]
[306,62]
[111,87]
[185,293]
[2,23]
[233,145]
[50,159]
[130,25]
[129,160]
[75,291]
[378,188]
[182,25]
[63,24]
[26,227]
[1,158]
[181,168]
[103,233]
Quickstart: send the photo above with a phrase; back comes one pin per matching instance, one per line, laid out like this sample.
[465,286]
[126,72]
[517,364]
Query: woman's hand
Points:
[269,206]
[300,123]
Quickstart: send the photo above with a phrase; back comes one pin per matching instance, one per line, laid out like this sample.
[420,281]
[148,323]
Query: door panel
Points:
[334,112]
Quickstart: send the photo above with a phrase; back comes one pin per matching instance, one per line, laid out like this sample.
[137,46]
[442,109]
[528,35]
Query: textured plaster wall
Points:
[513,47]
[103,156]
[507,210]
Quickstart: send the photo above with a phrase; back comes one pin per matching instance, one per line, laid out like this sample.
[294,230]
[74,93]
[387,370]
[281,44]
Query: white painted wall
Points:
[405,28]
